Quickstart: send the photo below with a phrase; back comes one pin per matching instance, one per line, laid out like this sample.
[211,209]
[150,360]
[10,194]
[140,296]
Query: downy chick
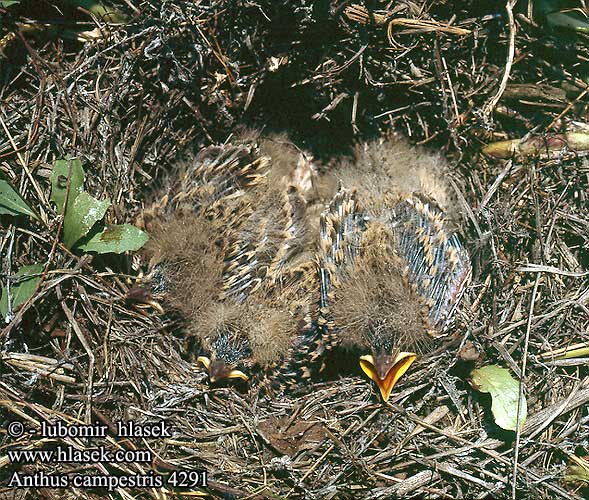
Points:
[234,254]
[392,269]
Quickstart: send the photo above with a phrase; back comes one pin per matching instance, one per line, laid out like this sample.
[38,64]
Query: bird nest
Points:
[500,92]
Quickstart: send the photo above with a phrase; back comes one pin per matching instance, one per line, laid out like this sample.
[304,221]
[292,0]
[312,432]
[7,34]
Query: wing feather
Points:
[437,263]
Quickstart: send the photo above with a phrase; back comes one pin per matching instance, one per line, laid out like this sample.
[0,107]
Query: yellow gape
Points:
[401,364]
[232,374]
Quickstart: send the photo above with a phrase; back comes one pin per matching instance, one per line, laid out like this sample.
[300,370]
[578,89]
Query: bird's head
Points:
[386,369]
[377,313]
[228,357]
[243,339]
[219,370]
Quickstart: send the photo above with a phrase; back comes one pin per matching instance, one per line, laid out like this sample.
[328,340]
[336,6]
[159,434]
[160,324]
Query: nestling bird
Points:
[392,269]
[232,249]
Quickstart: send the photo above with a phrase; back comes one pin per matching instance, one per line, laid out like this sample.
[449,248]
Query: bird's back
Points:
[435,260]
[424,252]
[245,255]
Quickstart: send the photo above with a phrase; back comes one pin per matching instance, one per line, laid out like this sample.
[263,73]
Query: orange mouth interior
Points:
[401,364]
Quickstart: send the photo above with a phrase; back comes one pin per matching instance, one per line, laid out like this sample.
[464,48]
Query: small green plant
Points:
[108,14]
[82,227]
[22,286]
[11,203]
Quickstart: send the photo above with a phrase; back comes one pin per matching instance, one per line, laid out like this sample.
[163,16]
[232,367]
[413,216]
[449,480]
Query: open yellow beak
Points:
[401,364]
[231,375]
[204,360]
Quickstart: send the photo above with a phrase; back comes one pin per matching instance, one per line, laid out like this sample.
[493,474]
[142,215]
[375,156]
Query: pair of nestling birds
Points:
[272,265]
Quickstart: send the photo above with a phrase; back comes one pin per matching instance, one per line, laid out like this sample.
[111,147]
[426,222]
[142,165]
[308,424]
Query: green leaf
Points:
[59,177]
[8,3]
[575,353]
[578,472]
[81,216]
[106,14]
[574,20]
[115,239]
[22,286]
[11,202]
[504,390]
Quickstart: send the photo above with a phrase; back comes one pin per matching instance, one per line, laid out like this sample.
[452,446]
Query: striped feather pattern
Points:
[438,265]
[431,257]
[340,230]
[254,312]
